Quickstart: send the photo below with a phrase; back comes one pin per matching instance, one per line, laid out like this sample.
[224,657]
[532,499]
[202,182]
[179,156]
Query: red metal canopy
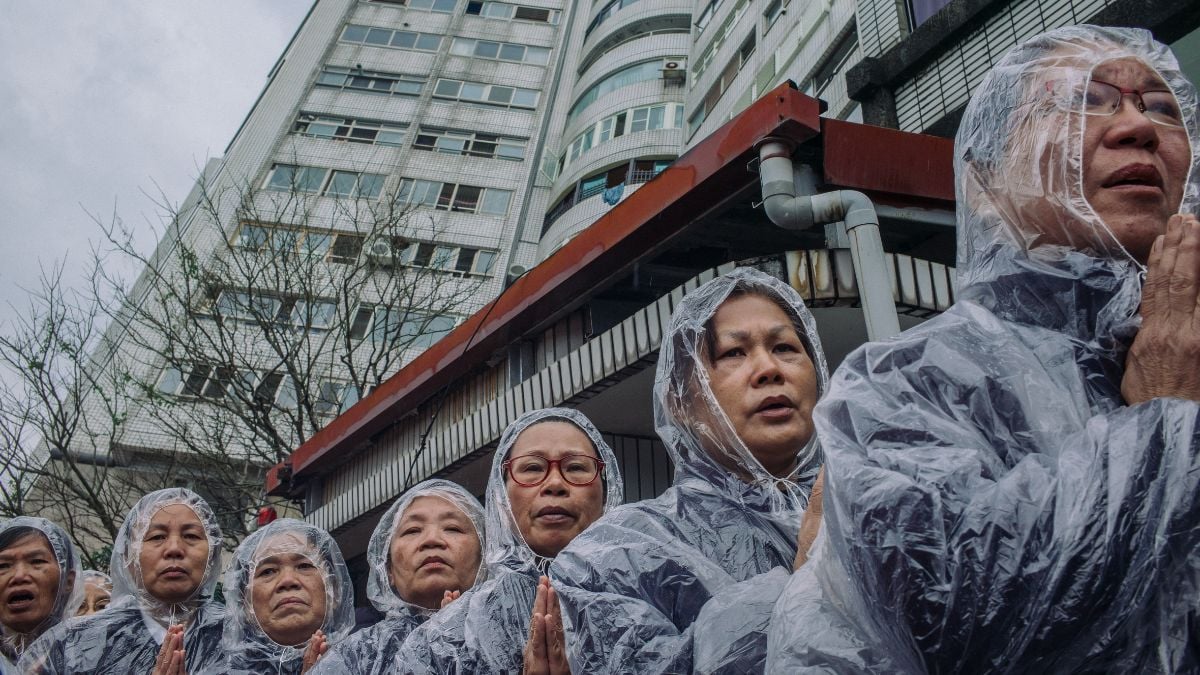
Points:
[892,166]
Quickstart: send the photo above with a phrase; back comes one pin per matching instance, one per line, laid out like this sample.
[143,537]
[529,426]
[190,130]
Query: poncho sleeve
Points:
[984,515]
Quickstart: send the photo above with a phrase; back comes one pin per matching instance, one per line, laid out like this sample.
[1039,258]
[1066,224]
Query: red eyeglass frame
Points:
[550,466]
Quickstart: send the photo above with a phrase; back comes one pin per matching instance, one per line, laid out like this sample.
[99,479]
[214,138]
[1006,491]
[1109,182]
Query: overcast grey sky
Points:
[104,100]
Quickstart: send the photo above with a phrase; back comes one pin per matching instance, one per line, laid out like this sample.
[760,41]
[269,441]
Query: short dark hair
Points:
[15,535]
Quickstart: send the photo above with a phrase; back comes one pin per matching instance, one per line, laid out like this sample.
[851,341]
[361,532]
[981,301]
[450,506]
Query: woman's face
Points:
[174,554]
[434,549]
[29,577]
[1134,169]
[550,514]
[287,589]
[763,379]
[96,596]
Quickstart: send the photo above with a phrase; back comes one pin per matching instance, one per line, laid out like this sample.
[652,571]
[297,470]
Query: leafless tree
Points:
[262,314]
[58,416]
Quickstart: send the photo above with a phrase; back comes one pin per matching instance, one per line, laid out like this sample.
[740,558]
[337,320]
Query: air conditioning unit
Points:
[674,69]
[379,251]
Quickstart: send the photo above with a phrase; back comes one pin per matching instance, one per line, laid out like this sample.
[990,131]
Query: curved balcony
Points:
[586,201]
[632,54]
[649,143]
[643,17]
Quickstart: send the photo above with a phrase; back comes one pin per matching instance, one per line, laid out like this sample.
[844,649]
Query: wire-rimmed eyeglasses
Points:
[1102,99]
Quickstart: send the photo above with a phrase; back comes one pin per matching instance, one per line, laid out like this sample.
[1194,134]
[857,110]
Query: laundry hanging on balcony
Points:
[613,194]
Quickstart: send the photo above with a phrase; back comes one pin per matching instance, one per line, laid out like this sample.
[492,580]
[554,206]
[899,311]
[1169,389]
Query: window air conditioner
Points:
[674,69]
[379,251]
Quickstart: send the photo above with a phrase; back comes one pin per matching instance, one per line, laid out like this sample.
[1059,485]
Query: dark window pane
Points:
[444,197]
[532,14]
[361,322]
[500,94]
[467,198]
[474,7]
[466,258]
[346,248]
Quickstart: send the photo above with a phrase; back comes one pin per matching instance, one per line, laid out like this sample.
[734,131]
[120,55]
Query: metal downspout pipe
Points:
[799,212]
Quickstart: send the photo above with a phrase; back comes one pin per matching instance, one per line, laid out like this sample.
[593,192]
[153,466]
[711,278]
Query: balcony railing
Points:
[580,193]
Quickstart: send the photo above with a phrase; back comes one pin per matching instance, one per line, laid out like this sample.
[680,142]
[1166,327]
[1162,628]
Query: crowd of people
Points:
[1010,487]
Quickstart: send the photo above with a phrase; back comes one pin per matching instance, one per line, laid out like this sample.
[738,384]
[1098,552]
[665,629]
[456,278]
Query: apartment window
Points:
[771,14]
[289,178]
[706,16]
[346,248]
[706,57]
[638,72]
[631,172]
[919,11]
[413,328]
[488,94]
[646,118]
[204,381]
[334,397]
[259,237]
[471,143]
[334,183]
[501,51]
[349,129]
[397,39]
[833,65]
[267,307]
[454,197]
[443,6]
[612,7]
[376,82]
[474,261]
[504,10]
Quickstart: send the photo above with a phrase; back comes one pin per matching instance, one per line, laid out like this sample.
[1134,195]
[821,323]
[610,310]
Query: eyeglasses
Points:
[532,470]
[1103,99]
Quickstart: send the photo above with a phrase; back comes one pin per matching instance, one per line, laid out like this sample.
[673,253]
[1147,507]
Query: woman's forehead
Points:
[284,543]
[552,438]
[1129,73]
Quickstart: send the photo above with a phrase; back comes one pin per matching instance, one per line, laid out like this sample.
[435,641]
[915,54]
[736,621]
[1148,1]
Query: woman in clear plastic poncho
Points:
[444,526]
[39,575]
[165,563]
[287,594]
[97,593]
[488,629]
[1005,493]
[687,581]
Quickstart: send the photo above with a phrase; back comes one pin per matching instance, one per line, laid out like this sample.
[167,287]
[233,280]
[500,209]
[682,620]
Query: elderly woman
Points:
[163,620]
[687,581]
[426,550]
[288,596]
[97,593]
[39,583]
[1014,486]
[552,477]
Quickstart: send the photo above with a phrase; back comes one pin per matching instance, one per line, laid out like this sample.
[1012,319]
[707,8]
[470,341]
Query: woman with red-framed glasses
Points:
[552,477]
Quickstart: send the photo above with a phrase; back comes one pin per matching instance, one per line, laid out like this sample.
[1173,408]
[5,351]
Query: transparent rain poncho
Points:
[93,578]
[991,503]
[687,581]
[372,650]
[485,631]
[68,593]
[245,644]
[126,637]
